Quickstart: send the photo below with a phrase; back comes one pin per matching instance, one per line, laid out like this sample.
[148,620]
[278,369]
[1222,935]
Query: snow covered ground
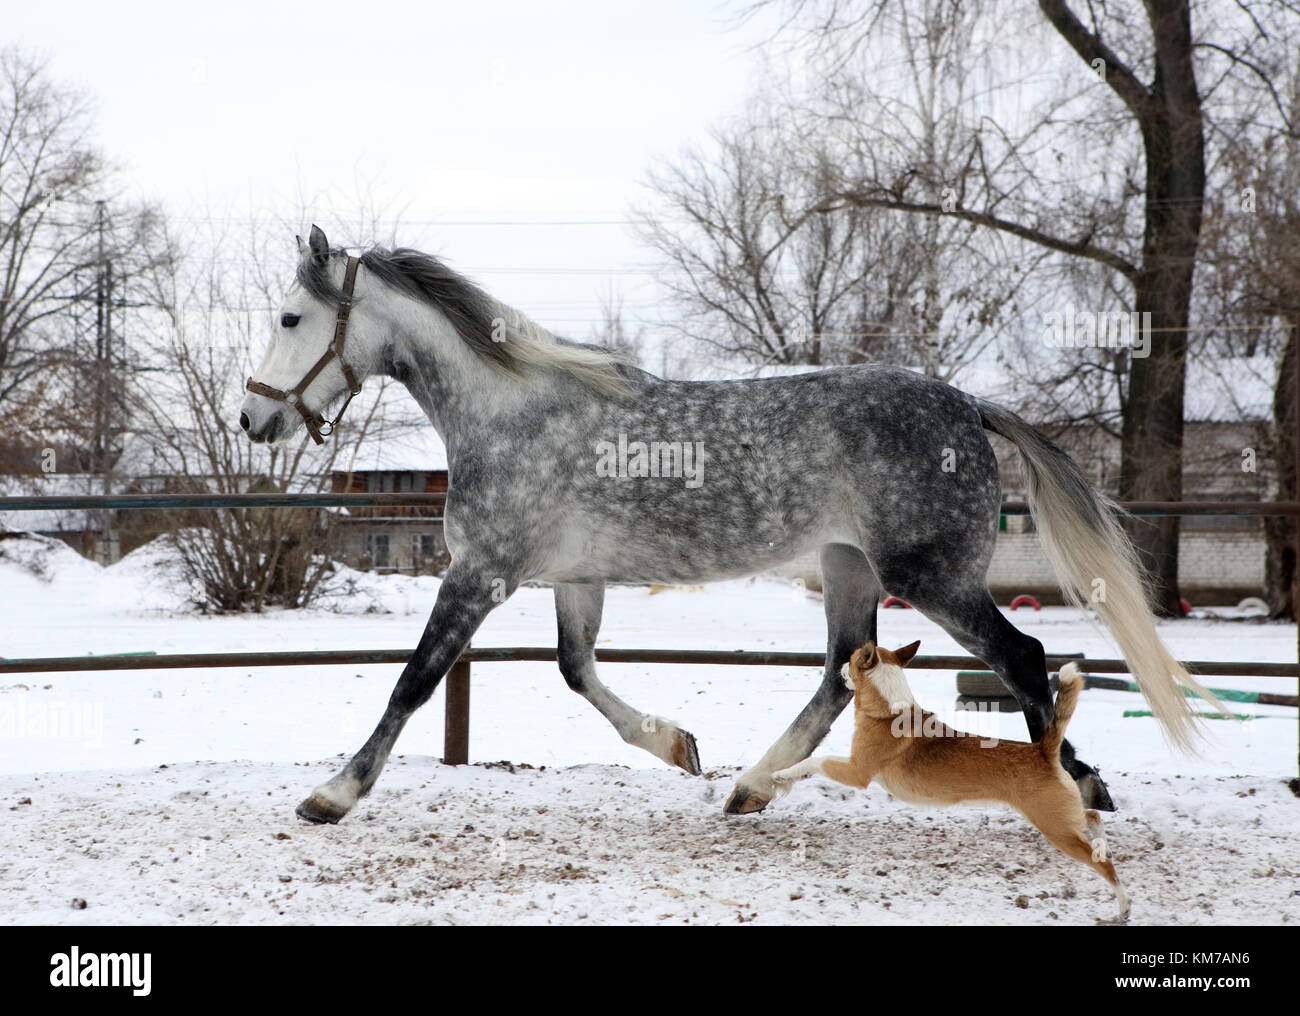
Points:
[167,796]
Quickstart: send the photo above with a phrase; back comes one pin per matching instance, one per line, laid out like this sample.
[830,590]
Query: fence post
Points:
[455,743]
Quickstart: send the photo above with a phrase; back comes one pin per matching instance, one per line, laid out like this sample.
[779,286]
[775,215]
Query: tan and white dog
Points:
[922,761]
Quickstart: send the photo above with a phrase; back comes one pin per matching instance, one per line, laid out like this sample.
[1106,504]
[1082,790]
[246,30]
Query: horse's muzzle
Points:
[266,432]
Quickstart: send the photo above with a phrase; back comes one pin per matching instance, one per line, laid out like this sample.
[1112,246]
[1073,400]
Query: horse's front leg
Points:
[850,591]
[469,591]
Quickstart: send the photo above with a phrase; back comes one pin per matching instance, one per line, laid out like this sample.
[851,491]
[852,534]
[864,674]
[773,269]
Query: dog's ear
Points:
[907,652]
[870,657]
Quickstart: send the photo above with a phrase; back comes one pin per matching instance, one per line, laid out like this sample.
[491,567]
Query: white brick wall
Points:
[1220,564]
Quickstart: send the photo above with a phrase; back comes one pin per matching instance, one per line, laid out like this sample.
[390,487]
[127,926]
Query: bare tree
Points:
[763,273]
[1139,132]
[1250,288]
[55,233]
[613,332]
[213,312]
[749,281]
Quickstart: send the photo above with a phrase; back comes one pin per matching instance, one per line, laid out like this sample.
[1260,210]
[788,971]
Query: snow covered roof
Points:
[416,449]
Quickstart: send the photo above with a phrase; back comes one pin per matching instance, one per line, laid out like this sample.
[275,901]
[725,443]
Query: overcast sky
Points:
[456,116]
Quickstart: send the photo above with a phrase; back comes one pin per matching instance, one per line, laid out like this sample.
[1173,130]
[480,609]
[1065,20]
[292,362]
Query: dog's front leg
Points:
[787,778]
[838,768]
[843,770]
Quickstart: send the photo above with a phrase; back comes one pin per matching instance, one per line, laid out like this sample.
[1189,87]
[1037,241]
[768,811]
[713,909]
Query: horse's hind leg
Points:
[578,610]
[851,592]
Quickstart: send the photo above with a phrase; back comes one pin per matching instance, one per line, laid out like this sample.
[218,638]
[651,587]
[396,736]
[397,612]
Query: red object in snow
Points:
[894,601]
[1187,607]
[1025,601]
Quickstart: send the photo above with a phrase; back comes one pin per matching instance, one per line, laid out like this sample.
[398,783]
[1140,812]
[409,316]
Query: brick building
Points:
[405,539]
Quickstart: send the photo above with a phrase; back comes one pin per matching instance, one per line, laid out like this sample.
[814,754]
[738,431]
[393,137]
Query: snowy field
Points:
[158,797]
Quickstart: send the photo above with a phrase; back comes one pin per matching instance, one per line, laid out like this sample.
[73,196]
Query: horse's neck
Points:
[459,392]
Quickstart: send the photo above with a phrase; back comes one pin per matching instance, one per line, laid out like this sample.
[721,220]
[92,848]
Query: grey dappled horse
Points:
[571,467]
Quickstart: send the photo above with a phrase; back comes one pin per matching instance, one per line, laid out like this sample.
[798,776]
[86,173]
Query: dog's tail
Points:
[1066,699]
[1095,561]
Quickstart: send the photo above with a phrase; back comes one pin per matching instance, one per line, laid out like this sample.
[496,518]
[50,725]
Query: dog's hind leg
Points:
[851,592]
[578,610]
[1077,834]
[1096,834]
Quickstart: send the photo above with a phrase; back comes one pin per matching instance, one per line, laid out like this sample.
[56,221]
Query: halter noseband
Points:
[316,424]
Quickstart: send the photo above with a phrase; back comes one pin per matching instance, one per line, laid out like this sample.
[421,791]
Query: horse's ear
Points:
[320,247]
[302,247]
[907,652]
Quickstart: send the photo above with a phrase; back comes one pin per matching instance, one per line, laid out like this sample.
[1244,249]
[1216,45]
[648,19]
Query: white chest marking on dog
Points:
[892,684]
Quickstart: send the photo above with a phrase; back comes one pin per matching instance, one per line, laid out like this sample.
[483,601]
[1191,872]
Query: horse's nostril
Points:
[243,421]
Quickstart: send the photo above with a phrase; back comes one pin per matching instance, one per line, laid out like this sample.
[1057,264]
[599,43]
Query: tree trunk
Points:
[1152,435]
[1280,577]
[1151,444]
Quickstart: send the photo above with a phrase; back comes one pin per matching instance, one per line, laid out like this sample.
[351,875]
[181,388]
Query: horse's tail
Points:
[1066,699]
[1095,562]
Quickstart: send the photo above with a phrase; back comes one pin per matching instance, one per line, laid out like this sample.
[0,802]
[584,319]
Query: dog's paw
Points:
[784,779]
[783,782]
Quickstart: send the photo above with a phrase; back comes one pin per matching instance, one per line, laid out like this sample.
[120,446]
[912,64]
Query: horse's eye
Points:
[289,320]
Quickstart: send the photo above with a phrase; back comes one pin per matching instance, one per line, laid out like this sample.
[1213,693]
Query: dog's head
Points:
[876,676]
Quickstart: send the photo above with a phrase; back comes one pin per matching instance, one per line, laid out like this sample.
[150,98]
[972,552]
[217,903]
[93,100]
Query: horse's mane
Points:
[498,334]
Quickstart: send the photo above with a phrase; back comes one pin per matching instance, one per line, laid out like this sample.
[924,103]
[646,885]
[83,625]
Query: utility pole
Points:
[109,543]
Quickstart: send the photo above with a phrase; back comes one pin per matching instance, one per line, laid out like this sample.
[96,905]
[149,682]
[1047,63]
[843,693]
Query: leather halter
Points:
[316,424]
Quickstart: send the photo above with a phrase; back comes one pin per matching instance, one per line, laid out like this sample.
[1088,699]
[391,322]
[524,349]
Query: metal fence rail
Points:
[94,502]
[74,502]
[546,654]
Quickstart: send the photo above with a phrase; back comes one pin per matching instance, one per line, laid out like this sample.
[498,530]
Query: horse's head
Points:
[308,364]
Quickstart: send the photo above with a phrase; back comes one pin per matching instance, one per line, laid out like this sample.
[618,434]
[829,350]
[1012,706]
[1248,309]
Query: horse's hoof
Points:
[744,801]
[1091,788]
[669,743]
[1094,793]
[319,810]
[685,754]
